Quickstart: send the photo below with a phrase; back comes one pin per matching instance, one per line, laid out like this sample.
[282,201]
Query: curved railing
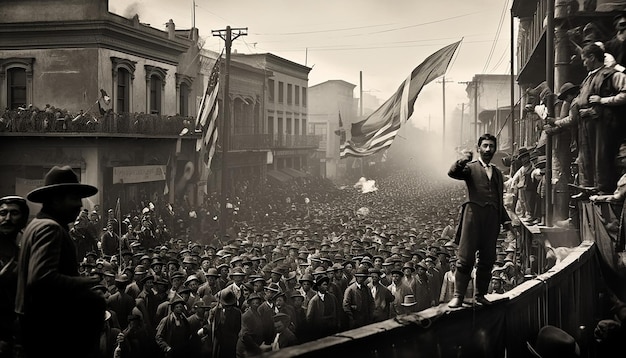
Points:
[566,296]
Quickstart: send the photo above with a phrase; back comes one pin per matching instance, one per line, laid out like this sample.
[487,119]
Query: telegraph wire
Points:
[495,39]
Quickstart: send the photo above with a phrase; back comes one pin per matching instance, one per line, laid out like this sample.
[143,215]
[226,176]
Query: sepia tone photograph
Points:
[404,178]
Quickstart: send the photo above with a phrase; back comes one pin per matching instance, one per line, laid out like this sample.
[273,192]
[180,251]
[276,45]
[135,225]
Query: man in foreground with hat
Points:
[13,218]
[48,263]
[225,324]
[358,302]
[323,312]
[554,342]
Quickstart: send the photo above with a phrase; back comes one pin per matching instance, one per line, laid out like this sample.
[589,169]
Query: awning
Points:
[278,175]
[294,173]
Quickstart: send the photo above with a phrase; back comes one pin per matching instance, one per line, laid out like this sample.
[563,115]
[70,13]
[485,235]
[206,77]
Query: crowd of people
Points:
[301,262]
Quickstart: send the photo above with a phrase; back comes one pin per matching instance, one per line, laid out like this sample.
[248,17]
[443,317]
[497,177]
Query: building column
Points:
[561,158]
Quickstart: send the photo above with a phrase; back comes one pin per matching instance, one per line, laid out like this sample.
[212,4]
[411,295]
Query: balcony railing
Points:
[531,30]
[51,121]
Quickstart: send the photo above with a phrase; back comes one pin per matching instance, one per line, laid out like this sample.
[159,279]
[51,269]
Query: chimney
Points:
[171,29]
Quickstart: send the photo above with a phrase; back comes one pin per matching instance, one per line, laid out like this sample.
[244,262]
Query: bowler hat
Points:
[61,180]
[361,272]
[554,342]
[409,300]
[283,317]
[566,89]
[227,298]
[318,282]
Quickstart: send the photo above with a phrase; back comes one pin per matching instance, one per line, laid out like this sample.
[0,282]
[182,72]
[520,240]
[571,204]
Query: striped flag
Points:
[206,122]
[378,130]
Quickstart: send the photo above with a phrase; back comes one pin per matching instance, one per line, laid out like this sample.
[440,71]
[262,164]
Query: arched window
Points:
[155,83]
[183,91]
[123,91]
[183,98]
[16,82]
[155,94]
[123,76]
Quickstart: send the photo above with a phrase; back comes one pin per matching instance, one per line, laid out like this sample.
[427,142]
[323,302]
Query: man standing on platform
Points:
[481,216]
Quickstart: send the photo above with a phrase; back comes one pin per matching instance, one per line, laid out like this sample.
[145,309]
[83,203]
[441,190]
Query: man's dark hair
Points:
[487,136]
[593,50]
[21,203]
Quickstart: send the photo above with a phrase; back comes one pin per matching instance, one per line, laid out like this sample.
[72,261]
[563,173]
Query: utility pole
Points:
[462,114]
[361,95]
[228,37]
[550,105]
[443,83]
[474,84]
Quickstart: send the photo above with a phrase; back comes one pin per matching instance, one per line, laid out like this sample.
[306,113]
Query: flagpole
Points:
[119,238]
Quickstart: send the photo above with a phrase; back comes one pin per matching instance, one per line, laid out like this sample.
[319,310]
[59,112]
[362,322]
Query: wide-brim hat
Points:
[227,298]
[554,342]
[319,281]
[566,89]
[61,180]
[362,272]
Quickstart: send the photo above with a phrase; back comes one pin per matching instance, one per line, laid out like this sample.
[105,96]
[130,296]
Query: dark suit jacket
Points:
[358,305]
[382,302]
[250,335]
[50,290]
[286,339]
[476,180]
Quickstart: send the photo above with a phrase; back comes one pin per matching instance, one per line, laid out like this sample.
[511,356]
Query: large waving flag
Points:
[206,122]
[378,130]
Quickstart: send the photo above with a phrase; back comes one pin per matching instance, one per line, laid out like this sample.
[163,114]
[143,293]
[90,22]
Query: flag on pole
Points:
[104,102]
[378,130]
[206,122]
[341,132]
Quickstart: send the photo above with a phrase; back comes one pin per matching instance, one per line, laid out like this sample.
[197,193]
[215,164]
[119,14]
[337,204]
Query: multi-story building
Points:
[284,115]
[489,98]
[60,60]
[328,101]
[57,60]
[572,24]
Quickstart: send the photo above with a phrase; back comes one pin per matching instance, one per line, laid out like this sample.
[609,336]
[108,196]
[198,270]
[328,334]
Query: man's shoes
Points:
[580,196]
[455,302]
[480,299]
[566,224]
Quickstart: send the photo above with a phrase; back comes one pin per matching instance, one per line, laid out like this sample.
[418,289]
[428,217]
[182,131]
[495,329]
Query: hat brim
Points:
[532,350]
[39,195]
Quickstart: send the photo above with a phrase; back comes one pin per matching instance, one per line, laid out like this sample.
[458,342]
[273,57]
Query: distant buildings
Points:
[329,101]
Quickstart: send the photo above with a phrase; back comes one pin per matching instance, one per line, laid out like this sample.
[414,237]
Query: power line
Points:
[318,31]
[495,39]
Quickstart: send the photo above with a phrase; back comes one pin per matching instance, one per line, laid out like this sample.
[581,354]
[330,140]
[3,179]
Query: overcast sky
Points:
[383,39]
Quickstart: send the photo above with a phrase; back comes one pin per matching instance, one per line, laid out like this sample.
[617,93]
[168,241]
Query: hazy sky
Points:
[383,39]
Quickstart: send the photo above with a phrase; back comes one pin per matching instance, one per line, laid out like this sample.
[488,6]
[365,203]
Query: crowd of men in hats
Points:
[293,271]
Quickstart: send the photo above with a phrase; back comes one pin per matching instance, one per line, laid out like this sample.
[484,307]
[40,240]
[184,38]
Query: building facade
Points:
[284,114]
[329,101]
[105,94]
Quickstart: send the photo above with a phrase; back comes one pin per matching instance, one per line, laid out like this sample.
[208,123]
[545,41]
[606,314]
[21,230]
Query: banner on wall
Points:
[23,186]
[138,174]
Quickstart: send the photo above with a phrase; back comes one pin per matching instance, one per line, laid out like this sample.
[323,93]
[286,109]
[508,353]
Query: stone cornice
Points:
[105,34]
